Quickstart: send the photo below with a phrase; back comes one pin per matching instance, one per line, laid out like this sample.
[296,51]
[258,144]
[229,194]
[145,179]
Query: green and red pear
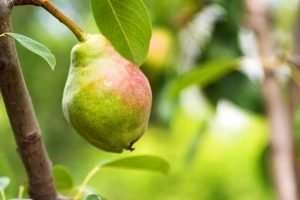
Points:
[107,99]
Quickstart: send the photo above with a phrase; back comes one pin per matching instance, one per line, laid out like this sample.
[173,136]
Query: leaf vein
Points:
[121,27]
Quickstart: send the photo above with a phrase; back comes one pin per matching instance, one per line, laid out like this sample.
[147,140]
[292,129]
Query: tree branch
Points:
[294,83]
[24,2]
[22,117]
[278,111]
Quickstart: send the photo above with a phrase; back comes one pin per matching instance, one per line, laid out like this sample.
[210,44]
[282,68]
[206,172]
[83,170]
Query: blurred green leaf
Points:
[202,76]
[94,197]
[62,178]
[146,162]
[126,23]
[4,182]
[35,47]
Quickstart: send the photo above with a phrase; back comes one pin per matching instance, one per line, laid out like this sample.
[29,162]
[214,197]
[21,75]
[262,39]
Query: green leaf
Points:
[35,47]
[62,178]
[4,182]
[145,162]
[149,163]
[126,23]
[94,197]
[203,75]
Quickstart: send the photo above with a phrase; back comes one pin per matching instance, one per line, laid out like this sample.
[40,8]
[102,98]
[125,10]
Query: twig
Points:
[51,8]
[281,126]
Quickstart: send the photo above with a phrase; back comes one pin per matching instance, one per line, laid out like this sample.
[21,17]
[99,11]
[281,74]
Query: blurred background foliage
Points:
[212,129]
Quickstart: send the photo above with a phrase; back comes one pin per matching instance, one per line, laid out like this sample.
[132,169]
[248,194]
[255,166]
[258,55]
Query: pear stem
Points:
[53,10]
[50,7]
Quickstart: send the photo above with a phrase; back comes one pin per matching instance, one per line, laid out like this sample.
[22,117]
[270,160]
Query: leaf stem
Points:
[21,192]
[2,194]
[86,180]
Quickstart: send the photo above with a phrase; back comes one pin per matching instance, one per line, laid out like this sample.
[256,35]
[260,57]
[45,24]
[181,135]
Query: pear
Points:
[107,99]
[160,50]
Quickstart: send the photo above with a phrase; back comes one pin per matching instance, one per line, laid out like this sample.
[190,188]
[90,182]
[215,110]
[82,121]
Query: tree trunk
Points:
[280,120]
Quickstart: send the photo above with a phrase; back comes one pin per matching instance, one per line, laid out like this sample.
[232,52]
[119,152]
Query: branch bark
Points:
[22,117]
[295,82]
[24,2]
[281,125]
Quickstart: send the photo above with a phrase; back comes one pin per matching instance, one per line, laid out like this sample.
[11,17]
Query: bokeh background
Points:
[213,131]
